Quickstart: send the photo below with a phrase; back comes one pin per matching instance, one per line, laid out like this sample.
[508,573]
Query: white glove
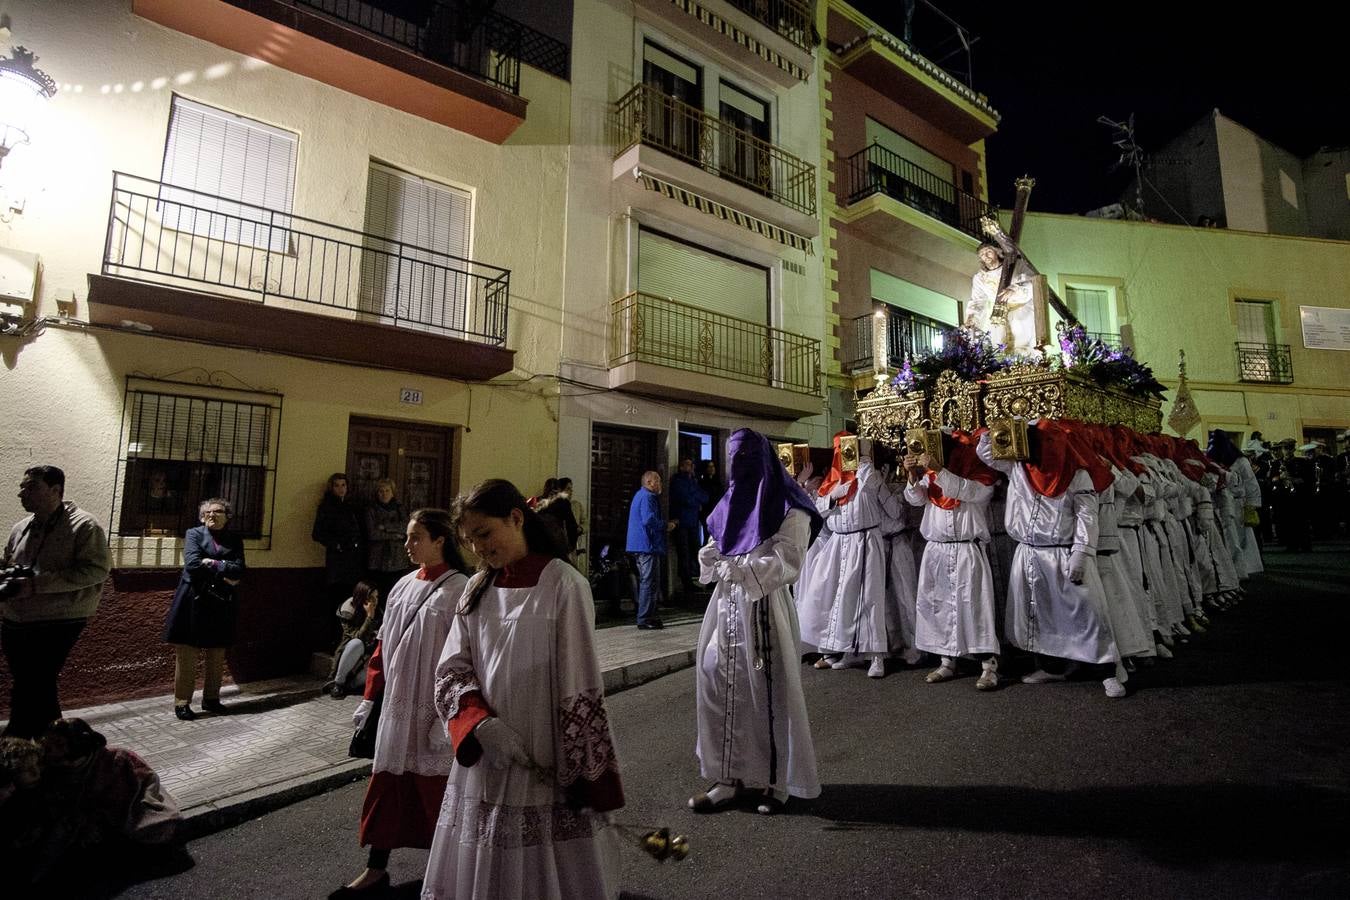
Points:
[362,712]
[1077,566]
[438,734]
[502,747]
[840,490]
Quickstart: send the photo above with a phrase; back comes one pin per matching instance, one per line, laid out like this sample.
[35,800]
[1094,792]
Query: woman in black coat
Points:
[204,607]
[339,526]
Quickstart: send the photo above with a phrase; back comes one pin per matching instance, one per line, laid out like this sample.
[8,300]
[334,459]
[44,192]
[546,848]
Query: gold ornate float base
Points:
[1025,391]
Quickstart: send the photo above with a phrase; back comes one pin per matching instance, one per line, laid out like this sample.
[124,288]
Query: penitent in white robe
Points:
[508,833]
[1048,613]
[1128,621]
[752,721]
[956,608]
[841,597]
[1245,491]
[902,567]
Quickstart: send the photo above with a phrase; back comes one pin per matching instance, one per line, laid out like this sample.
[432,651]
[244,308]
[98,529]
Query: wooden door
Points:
[619,456]
[416,457]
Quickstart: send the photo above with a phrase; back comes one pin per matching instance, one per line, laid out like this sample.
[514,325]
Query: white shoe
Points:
[988,680]
[877,669]
[1114,689]
[944,672]
[847,661]
[1163,652]
[1040,676]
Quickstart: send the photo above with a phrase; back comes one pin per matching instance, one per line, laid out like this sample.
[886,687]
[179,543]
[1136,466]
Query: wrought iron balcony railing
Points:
[790,18]
[1267,363]
[877,170]
[645,115]
[176,237]
[485,44]
[906,335]
[647,328]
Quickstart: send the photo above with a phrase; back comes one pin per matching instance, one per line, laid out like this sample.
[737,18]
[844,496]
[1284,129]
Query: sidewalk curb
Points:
[218,815]
[227,812]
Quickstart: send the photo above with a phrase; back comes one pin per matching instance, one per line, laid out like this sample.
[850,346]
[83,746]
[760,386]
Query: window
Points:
[415,265]
[238,176]
[743,149]
[674,121]
[1094,309]
[182,448]
[1256,321]
[700,277]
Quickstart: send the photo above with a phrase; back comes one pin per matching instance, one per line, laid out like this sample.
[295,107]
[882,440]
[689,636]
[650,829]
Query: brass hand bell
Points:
[661,845]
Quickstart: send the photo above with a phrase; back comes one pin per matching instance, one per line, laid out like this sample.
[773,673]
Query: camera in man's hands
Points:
[12,579]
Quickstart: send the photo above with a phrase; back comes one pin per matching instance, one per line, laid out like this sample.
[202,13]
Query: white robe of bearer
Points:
[902,566]
[1225,572]
[1177,505]
[1246,491]
[841,600]
[1048,613]
[752,721]
[1130,505]
[506,833]
[1128,621]
[1161,575]
[956,605]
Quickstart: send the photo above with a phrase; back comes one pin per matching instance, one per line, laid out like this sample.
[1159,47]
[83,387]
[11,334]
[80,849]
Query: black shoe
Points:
[379,888]
[184,712]
[215,706]
[652,625]
[336,691]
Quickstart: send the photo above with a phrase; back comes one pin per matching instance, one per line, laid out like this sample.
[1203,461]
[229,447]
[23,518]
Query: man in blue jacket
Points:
[647,543]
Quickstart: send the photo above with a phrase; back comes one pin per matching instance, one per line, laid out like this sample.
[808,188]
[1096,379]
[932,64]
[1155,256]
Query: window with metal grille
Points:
[240,172]
[182,448]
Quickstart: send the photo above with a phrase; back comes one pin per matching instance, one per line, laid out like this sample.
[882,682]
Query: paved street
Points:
[1224,774]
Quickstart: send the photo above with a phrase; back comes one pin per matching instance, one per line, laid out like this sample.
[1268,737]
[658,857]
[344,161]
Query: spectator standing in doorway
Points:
[386,521]
[686,502]
[338,526]
[647,543]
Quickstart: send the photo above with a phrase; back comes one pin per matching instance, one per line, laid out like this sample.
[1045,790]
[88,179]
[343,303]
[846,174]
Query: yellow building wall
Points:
[1177,288]
[63,388]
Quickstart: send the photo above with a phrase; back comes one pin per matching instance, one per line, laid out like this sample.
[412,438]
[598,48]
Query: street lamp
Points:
[24,90]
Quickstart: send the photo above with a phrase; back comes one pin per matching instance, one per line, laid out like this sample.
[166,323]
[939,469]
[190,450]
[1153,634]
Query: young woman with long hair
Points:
[412,753]
[520,690]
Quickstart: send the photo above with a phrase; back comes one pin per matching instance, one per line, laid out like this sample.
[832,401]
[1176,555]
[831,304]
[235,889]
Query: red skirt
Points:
[401,810]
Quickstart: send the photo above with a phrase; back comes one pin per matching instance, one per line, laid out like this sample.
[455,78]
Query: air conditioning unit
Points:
[18,276]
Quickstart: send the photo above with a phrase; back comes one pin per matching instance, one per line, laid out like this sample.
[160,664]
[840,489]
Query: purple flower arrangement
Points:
[1107,365]
[966,351]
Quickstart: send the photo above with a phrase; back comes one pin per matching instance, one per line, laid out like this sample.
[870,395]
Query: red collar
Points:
[524,572]
[431,574]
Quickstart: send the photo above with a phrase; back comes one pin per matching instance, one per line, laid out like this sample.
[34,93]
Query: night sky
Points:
[1051,69]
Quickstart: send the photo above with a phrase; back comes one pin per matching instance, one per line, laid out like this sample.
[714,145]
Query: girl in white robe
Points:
[753,731]
[412,753]
[520,690]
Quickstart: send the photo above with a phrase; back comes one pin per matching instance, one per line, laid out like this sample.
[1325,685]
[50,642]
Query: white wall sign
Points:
[410,397]
[1325,327]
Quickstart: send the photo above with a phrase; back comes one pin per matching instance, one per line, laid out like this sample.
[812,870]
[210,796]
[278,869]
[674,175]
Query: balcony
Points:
[789,18]
[665,348]
[906,335]
[653,132]
[773,38]
[1264,363]
[191,265]
[928,70]
[877,170]
[456,67]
